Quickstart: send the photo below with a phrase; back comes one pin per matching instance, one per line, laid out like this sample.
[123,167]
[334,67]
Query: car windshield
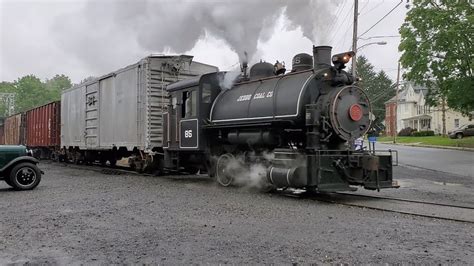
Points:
[463,127]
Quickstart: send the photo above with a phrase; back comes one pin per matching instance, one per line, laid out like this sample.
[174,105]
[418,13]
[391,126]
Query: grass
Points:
[467,142]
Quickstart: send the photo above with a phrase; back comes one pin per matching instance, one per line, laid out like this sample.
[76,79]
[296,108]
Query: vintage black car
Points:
[462,131]
[18,168]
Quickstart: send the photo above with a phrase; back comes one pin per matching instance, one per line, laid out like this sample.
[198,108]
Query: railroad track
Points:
[427,209]
[458,213]
[117,170]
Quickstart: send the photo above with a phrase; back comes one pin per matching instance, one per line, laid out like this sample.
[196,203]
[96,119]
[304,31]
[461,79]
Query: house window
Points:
[456,123]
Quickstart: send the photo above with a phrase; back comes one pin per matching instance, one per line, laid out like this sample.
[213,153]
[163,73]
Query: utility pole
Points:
[395,130]
[443,114]
[354,37]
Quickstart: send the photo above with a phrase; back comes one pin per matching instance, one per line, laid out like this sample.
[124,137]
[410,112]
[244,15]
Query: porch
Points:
[418,122]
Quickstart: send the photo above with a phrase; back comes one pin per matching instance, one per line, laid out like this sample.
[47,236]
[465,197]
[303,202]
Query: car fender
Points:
[20,159]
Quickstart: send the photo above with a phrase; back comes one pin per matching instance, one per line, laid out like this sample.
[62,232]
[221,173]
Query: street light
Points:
[371,43]
[354,65]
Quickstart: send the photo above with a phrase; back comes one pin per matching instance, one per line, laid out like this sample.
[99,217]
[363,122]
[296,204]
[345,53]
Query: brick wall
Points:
[390,119]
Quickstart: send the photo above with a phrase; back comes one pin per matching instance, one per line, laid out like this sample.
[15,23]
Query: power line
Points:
[381,3]
[333,22]
[339,26]
[389,12]
[362,9]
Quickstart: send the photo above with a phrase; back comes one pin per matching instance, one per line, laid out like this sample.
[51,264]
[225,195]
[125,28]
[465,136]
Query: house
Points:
[412,111]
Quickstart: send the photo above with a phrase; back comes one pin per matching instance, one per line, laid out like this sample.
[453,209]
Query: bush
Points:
[423,133]
[406,132]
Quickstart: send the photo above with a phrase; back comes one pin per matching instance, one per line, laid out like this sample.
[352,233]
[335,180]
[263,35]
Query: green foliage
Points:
[433,140]
[56,85]
[32,92]
[438,51]
[423,133]
[408,131]
[378,86]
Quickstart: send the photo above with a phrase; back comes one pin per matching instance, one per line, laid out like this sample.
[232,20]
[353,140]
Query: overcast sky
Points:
[82,38]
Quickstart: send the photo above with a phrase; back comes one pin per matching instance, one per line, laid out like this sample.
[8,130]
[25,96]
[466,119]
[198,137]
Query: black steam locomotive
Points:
[299,126]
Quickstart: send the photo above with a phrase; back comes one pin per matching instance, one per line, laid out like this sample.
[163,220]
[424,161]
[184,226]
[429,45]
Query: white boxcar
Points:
[123,110]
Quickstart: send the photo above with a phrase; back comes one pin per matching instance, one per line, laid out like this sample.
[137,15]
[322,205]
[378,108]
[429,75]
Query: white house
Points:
[413,112]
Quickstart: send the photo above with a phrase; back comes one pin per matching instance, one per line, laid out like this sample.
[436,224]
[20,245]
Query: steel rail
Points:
[397,211]
[407,200]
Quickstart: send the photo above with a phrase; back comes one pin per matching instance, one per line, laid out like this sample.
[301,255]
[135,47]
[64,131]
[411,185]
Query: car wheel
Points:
[25,176]
[459,135]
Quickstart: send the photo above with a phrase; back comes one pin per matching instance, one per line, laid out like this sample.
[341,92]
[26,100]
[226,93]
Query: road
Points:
[444,160]
[85,217]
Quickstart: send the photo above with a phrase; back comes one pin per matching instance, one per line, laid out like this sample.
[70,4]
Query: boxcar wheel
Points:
[25,176]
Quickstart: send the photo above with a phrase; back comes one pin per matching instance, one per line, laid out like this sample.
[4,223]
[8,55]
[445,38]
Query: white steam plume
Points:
[114,29]
[229,79]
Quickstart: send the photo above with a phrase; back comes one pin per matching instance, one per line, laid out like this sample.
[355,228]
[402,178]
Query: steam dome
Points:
[261,70]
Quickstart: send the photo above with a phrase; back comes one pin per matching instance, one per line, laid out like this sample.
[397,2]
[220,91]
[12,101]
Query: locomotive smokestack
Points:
[321,56]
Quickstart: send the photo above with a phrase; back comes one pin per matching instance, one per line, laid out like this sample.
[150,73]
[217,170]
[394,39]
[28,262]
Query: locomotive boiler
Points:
[299,126]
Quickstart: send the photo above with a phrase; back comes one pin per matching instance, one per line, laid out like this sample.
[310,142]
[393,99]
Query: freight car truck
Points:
[120,114]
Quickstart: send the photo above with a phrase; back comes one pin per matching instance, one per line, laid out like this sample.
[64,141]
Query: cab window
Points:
[174,102]
[190,104]
[206,93]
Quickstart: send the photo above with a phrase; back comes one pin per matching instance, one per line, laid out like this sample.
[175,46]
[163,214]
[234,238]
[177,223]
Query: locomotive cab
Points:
[188,109]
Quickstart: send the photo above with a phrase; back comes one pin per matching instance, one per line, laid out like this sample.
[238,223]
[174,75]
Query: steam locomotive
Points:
[172,114]
[299,126]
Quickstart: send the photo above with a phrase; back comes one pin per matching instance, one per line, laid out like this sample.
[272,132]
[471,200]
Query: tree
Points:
[436,42]
[378,86]
[31,92]
[57,84]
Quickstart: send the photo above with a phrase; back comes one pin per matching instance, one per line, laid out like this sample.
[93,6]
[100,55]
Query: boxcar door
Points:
[92,116]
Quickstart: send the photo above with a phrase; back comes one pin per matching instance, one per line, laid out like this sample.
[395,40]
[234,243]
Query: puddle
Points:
[448,184]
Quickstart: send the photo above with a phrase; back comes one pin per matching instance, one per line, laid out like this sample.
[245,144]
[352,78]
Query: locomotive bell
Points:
[261,70]
[301,62]
[279,68]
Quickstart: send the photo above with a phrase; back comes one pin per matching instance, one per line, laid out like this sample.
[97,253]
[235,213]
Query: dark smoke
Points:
[114,29]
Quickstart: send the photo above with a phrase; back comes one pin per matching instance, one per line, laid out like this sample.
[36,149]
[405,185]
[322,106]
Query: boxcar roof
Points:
[96,79]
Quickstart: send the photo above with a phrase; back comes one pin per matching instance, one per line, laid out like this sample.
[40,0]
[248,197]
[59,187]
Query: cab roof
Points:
[182,84]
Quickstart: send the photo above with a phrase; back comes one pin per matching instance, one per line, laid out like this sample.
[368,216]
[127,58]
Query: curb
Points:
[430,146]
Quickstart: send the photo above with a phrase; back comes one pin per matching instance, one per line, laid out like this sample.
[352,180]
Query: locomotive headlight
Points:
[342,58]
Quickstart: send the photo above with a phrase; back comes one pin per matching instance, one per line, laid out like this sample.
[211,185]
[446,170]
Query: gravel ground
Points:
[81,217]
